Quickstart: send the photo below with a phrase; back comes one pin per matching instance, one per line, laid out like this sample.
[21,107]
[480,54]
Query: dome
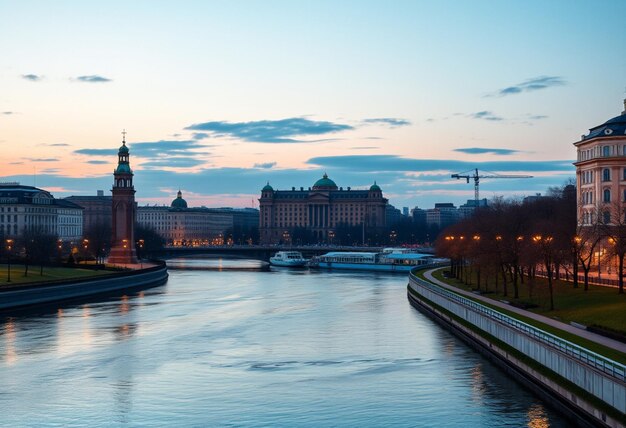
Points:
[123,148]
[325,183]
[375,188]
[179,202]
[268,187]
[611,128]
[123,168]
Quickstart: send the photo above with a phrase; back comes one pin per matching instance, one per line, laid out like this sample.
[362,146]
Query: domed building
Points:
[179,203]
[181,225]
[601,172]
[319,209]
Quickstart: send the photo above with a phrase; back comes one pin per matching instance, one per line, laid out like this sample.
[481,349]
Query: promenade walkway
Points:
[605,341]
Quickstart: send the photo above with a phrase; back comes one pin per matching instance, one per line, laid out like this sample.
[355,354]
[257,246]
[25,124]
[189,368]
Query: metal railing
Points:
[599,362]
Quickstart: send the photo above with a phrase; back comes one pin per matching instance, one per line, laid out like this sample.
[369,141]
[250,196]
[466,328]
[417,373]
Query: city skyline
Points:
[231,96]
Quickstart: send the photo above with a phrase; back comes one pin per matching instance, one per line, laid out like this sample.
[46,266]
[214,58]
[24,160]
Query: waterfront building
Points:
[468,208]
[97,210]
[123,212]
[419,215]
[392,215]
[601,185]
[24,208]
[319,210]
[601,172]
[181,225]
[442,215]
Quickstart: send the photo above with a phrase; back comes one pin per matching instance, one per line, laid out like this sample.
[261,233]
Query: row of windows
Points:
[8,218]
[604,151]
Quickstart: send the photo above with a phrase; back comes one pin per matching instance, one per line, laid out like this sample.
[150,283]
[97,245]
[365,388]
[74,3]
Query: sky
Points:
[219,98]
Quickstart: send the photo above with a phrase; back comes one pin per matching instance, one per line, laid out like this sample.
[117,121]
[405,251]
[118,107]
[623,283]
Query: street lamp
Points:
[141,242]
[9,247]
[331,236]
[85,245]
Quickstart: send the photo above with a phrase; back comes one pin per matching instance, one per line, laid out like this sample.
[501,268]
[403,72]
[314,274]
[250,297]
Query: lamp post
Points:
[331,236]
[9,247]
[85,246]
[140,243]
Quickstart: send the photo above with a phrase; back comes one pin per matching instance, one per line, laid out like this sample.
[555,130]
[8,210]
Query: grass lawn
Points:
[601,306]
[49,273]
[592,346]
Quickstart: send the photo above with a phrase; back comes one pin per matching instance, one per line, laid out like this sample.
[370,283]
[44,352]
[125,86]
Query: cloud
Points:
[150,149]
[485,150]
[534,84]
[389,121]
[94,78]
[406,181]
[173,162]
[8,113]
[265,165]
[363,147]
[390,163]
[41,159]
[199,135]
[96,152]
[98,162]
[537,116]
[271,131]
[485,115]
[59,145]
[32,77]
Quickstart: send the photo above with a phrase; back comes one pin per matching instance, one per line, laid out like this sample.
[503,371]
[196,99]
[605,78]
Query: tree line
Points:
[512,241]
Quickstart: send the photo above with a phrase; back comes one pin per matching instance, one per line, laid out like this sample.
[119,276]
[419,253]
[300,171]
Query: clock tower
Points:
[124,210]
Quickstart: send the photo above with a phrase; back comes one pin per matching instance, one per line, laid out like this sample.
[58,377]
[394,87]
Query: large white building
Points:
[180,225]
[24,208]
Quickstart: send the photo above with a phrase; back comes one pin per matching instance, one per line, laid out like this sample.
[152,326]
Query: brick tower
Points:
[124,211]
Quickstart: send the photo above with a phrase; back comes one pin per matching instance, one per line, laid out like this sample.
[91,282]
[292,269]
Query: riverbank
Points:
[19,295]
[599,307]
[569,376]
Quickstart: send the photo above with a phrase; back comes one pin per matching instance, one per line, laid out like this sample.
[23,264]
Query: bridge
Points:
[258,252]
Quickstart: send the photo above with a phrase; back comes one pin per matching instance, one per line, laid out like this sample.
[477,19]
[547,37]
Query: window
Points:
[606,217]
[606,174]
[607,195]
[606,151]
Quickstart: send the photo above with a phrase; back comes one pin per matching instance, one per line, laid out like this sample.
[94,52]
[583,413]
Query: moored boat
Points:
[390,260]
[288,259]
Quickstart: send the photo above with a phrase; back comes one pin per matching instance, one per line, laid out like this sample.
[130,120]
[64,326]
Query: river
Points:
[252,348]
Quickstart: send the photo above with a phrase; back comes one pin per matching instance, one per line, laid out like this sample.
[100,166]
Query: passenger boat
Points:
[389,260]
[288,259]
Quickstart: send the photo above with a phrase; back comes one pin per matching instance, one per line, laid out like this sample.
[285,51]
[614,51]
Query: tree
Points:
[612,228]
[99,236]
[39,246]
[149,241]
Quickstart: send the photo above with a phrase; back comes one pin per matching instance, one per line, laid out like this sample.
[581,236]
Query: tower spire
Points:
[124,136]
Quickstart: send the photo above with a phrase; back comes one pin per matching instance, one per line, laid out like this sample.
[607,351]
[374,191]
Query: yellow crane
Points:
[476,177]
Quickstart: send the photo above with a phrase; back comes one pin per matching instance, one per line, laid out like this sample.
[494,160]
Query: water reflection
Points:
[253,348]
[10,354]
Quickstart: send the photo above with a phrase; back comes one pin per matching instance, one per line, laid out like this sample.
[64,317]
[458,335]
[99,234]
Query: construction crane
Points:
[476,177]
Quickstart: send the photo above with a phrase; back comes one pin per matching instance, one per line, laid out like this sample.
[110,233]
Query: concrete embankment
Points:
[586,386]
[44,293]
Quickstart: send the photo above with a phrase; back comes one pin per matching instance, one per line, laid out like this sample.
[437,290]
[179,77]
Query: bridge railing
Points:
[599,362]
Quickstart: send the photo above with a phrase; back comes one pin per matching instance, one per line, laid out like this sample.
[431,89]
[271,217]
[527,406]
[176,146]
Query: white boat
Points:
[288,259]
[390,260]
